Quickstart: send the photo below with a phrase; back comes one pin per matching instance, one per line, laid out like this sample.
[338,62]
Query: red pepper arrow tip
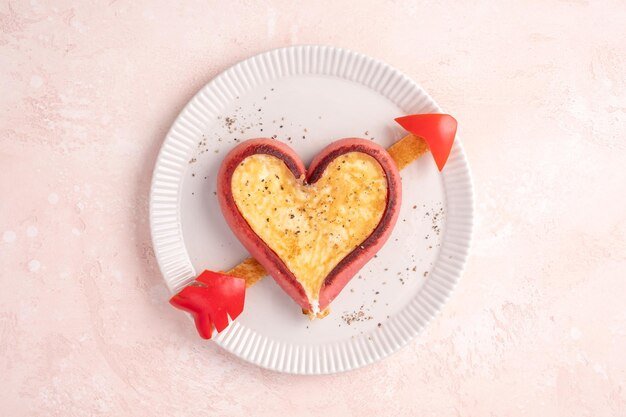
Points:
[438,130]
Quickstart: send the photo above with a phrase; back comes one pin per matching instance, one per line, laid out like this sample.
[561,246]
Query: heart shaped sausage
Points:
[314,229]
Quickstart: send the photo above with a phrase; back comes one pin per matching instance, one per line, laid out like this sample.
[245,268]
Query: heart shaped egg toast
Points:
[312,230]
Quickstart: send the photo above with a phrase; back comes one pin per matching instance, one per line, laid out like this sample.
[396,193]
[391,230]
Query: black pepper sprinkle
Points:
[356,316]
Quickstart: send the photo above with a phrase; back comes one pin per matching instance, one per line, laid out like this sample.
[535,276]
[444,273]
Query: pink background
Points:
[537,325]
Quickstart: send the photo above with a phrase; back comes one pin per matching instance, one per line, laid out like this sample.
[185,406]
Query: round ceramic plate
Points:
[308,97]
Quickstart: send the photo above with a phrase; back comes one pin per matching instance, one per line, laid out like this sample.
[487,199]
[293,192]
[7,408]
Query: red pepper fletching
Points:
[438,130]
[210,299]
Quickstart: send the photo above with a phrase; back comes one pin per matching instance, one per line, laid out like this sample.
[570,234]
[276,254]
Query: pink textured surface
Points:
[538,323]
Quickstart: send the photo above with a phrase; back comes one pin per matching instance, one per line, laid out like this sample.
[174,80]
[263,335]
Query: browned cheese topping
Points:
[311,227]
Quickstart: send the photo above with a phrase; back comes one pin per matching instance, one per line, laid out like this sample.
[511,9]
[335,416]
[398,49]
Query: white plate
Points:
[310,96]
